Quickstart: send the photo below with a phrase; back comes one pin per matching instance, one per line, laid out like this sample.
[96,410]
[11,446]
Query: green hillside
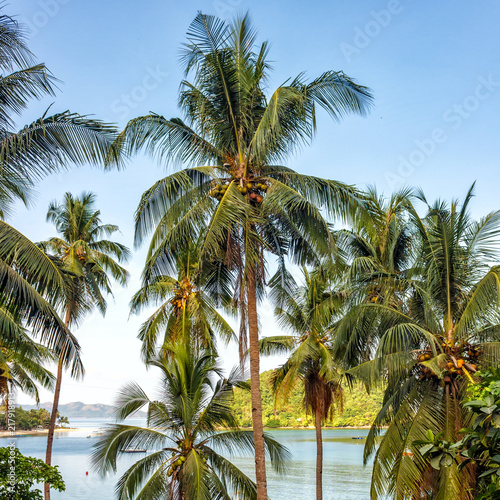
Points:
[360,408]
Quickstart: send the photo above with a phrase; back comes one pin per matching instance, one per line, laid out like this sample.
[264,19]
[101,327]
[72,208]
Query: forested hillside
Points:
[360,408]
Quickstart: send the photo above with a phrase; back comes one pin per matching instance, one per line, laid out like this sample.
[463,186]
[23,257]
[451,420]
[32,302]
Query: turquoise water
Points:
[344,477]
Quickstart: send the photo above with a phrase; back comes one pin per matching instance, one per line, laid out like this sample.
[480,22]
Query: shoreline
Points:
[44,432]
[311,427]
[34,432]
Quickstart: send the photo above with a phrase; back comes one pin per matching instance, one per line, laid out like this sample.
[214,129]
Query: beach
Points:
[34,432]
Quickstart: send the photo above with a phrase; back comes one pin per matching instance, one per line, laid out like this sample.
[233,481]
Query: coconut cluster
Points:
[179,462]
[219,190]
[254,190]
[183,293]
[462,361]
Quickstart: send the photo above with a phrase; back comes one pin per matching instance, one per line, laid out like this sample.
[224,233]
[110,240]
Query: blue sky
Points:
[433,68]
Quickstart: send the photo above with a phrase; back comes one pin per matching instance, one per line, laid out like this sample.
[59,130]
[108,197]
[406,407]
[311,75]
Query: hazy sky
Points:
[433,68]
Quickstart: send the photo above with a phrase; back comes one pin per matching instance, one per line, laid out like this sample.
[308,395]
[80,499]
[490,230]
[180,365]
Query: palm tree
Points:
[309,312]
[187,427]
[241,199]
[32,286]
[427,346]
[188,305]
[29,281]
[88,260]
[50,142]
[21,368]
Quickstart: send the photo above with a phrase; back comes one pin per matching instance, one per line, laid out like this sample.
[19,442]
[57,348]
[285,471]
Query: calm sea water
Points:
[344,476]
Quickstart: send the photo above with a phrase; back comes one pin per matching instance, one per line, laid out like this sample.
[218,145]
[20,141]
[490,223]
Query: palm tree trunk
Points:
[53,415]
[319,457]
[6,401]
[258,428]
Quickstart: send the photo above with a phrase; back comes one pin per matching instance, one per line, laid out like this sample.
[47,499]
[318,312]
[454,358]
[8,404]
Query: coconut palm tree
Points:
[308,311]
[235,192]
[49,143]
[378,242]
[375,257]
[22,360]
[21,368]
[89,260]
[188,305]
[29,281]
[32,286]
[188,426]
[427,347]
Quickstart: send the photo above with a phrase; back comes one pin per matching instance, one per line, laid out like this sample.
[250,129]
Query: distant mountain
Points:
[80,410]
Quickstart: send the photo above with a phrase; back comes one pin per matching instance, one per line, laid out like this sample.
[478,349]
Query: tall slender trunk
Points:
[53,415]
[319,457]
[258,428]
[6,402]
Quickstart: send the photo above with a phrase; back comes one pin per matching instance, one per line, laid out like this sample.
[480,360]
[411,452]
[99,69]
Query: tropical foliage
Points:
[21,366]
[480,443]
[188,427]
[188,305]
[87,260]
[29,419]
[29,281]
[49,143]
[399,300]
[28,471]
[360,408]
[233,193]
[425,339]
[31,284]
[309,312]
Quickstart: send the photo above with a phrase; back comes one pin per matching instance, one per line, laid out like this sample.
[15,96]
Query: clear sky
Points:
[433,68]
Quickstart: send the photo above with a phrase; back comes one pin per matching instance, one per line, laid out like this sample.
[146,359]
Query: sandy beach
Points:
[35,432]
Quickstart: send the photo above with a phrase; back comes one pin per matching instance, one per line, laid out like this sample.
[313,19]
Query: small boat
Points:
[133,450]
[361,437]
